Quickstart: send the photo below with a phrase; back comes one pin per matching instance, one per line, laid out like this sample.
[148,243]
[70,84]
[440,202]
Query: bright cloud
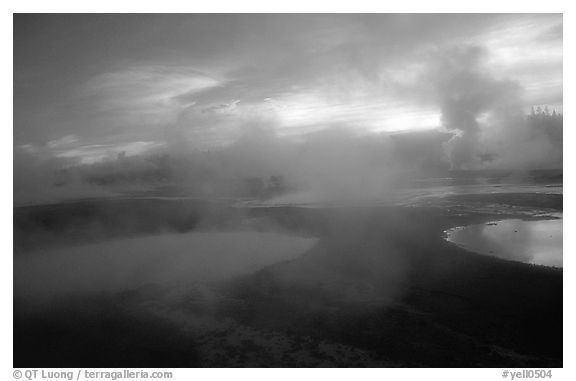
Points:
[205,78]
[149,94]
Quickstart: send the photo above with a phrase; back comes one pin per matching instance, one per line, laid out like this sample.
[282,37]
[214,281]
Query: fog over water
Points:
[160,260]
[279,190]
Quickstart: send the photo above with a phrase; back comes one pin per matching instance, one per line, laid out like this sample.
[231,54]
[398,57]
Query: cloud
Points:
[87,154]
[148,94]
[197,81]
[63,141]
[224,108]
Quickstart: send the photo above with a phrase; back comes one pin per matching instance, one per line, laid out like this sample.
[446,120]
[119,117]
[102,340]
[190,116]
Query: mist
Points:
[285,190]
[229,151]
[484,113]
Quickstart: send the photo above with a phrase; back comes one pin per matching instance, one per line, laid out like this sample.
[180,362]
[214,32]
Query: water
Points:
[163,259]
[411,196]
[535,242]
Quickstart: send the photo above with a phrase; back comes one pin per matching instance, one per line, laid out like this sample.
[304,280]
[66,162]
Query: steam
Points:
[466,91]
[334,164]
[485,115]
[162,260]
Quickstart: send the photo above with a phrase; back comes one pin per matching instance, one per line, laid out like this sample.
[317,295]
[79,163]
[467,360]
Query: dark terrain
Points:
[382,288]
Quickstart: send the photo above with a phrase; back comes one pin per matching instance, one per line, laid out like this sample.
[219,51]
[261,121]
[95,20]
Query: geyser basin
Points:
[160,259]
[535,242]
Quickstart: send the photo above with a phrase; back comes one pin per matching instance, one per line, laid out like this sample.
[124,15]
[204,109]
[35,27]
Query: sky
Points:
[87,87]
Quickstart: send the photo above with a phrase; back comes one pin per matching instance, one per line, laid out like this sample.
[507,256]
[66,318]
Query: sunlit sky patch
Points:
[88,86]
[88,154]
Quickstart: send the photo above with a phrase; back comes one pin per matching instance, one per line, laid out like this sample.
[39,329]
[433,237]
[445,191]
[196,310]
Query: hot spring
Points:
[163,259]
[534,242]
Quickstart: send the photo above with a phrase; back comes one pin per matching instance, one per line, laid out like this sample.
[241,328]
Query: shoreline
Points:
[386,271]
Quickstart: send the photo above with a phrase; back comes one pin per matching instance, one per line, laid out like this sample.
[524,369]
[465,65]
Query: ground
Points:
[382,288]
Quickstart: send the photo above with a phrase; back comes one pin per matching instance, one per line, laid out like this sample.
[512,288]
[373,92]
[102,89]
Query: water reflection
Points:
[164,259]
[536,242]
